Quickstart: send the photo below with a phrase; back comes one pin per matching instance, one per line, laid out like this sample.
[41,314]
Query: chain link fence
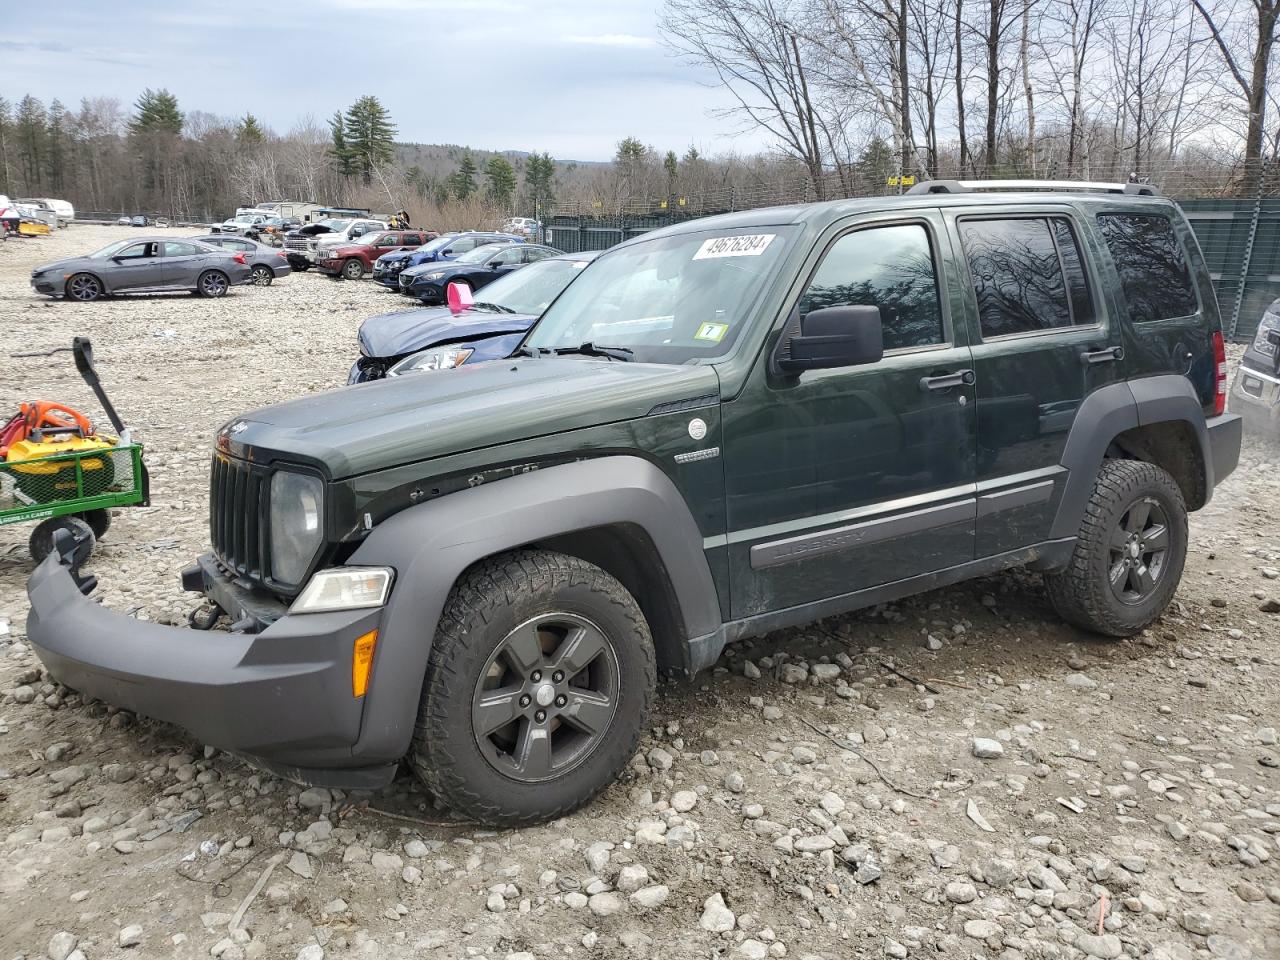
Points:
[1234,210]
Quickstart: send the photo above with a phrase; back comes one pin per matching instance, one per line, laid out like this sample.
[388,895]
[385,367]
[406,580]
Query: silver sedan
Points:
[265,263]
[143,265]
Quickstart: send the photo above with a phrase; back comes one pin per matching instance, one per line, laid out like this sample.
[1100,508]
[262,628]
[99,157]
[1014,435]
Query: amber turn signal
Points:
[362,662]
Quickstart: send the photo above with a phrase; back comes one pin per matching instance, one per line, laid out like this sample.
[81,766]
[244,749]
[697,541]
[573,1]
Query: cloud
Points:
[611,40]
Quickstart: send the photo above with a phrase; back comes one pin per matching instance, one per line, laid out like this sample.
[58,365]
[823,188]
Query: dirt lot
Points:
[955,776]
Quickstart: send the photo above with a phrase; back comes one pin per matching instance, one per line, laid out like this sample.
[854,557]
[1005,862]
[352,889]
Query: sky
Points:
[572,77]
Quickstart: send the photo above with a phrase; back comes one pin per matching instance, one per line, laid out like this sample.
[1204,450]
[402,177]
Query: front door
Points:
[1042,341]
[138,266]
[842,479]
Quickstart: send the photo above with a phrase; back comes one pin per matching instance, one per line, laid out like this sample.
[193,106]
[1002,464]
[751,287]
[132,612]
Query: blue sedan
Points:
[410,341]
[476,269]
[388,267]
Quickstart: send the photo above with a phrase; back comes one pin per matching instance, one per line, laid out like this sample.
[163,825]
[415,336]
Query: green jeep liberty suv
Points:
[724,427]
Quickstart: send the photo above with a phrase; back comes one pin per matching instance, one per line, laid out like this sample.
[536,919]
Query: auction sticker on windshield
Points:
[743,245]
[712,331]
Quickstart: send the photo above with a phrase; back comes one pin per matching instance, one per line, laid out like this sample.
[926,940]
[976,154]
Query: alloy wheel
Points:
[262,276]
[84,288]
[1137,550]
[546,698]
[213,285]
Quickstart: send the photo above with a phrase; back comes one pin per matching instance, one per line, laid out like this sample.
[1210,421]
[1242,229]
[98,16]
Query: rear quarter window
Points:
[1154,275]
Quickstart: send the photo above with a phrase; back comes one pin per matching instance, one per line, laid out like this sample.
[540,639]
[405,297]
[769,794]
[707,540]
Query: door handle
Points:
[1102,356]
[961,378]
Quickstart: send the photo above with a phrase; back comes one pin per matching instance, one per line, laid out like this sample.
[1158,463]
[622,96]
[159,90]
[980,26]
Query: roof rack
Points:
[1070,186]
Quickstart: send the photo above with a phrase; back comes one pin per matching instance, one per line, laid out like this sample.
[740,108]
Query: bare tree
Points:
[752,47]
[1236,39]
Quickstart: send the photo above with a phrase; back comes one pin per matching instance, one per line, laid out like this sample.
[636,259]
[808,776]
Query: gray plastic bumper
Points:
[1225,433]
[282,696]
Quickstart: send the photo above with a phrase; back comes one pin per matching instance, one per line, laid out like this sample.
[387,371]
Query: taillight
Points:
[239,258]
[281,253]
[1220,374]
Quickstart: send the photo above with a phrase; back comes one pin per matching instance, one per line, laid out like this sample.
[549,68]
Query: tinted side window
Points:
[1152,267]
[887,267]
[1027,275]
[174,248]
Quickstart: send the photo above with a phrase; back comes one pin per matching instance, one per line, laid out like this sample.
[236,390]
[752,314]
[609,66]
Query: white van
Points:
[65,211]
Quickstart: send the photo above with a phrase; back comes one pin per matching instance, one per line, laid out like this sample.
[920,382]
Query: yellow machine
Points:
[45,470]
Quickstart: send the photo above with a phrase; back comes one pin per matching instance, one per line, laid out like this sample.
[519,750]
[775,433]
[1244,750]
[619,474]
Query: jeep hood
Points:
[373,426]
[406,331]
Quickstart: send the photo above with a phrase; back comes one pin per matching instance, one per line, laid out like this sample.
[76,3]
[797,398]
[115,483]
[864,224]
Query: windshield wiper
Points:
[491,307]
[589,349]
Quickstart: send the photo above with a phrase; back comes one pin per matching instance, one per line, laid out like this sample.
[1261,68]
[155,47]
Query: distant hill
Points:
[438,160]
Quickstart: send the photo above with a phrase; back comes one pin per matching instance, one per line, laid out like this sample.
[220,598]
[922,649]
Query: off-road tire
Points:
[1082,592]
[41,542]
[353,269]
[492,598]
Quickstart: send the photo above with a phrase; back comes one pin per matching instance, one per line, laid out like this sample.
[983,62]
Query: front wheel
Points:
[212,283]
[537,689]
[353,269]
[84,287]
[41,543]
[1129,551]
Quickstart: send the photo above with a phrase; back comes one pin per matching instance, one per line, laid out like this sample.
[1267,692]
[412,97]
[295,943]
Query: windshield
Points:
[247,217]
[479,254]
[111,248]
[368,239]
[531,289]
[670,300]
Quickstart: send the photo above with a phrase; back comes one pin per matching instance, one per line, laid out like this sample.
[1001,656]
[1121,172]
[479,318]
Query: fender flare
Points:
[1108,412]
[430,545]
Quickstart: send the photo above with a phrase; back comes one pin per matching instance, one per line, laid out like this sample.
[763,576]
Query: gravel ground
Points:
[958,775]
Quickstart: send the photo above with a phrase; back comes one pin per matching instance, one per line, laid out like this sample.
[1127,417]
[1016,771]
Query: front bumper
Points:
[281,697]
[1257,391]
[50,286]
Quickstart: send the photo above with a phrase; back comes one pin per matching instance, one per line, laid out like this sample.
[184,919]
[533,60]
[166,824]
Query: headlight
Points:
[438,358]
[297,519]
[344,588]
[435,275]
[1270,321]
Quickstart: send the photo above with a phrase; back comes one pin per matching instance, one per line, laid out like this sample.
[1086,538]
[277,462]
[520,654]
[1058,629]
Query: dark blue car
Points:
[388,267]
[475,269]
[434,338]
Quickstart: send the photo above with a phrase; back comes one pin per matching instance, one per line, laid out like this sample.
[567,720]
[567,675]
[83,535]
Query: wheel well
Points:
[1174,447]
[626,552]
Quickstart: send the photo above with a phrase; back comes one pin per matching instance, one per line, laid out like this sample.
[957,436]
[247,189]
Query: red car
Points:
[356,259]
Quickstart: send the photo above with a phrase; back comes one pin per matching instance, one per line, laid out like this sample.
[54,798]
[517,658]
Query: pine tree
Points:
[156,112]
[6,146]
[250,130]
[58,136]
[672,166]
[462,182]
[539,172]
[339,152]
[370,136]
[502,180]
[32,137]
[417,180]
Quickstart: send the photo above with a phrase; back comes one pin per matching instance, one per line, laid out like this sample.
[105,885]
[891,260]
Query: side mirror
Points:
[833,337]
[447,253]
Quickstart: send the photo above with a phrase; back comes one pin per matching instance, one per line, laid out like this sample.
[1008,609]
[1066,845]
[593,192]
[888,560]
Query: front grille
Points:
[303,244]
[238,518]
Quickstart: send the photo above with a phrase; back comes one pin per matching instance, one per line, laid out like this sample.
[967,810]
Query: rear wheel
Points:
[84,287]
[212,283]
[353,269]
[537,688]
[261,275]
[99,521]
[1129,552]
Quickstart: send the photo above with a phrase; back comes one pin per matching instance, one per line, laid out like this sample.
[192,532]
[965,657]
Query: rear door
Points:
[183,263]
[1043,340]
[138,266]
